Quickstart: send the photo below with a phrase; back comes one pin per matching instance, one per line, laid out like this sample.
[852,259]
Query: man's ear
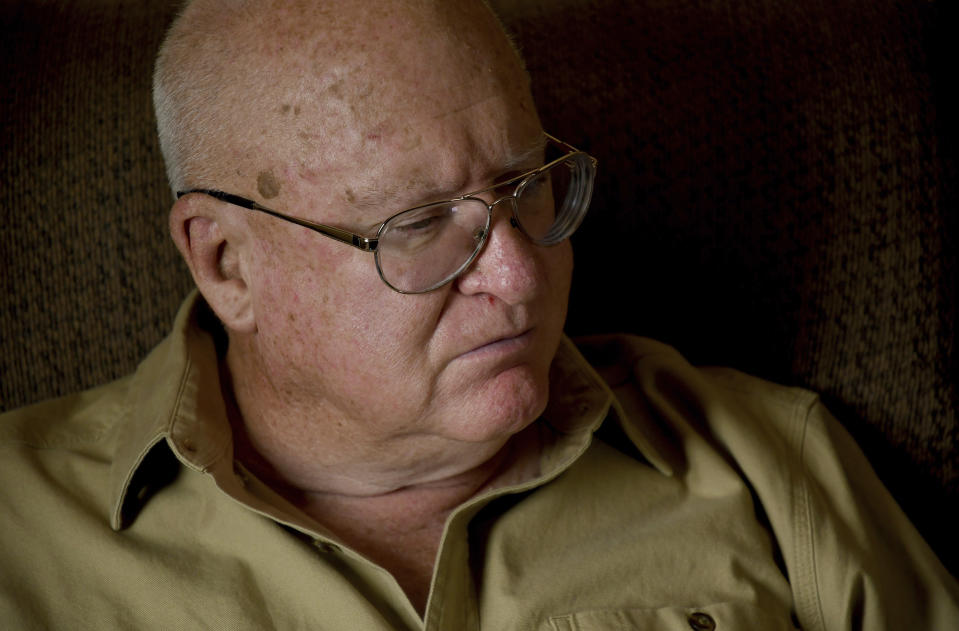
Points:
[213,251]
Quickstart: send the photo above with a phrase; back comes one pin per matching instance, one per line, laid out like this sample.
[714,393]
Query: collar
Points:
[175,397]
[580,402]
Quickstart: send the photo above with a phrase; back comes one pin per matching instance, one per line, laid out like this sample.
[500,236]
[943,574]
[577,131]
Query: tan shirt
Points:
[707,499]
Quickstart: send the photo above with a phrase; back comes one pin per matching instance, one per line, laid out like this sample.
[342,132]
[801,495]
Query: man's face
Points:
[413,121]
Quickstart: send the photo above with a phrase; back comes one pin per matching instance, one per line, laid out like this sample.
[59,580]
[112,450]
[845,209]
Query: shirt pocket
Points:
[731,616]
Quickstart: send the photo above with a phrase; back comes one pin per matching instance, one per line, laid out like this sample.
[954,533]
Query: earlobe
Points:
[213,253]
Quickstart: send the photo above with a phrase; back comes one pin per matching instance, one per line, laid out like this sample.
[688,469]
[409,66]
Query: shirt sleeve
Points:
[868,566]
[852,558]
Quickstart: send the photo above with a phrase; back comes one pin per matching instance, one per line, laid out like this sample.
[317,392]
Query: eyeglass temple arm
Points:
[570,148]
[366,244]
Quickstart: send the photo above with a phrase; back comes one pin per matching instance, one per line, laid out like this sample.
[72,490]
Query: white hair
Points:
[188,77]
[203,91]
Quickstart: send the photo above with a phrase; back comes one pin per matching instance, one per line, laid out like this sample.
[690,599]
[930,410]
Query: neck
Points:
[401,530]
[387,499]
[424,498]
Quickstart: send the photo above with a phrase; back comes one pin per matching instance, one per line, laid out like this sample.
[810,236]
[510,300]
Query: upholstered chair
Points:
[777,192]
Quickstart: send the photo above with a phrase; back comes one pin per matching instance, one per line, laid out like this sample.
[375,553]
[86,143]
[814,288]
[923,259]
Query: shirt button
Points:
[701,622]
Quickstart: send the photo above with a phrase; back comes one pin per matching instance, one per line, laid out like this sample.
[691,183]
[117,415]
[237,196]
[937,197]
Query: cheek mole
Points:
[267,184]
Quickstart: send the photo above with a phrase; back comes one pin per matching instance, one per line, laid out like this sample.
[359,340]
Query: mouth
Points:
[501,346]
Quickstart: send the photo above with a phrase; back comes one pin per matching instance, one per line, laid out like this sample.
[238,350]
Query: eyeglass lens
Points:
[422,249]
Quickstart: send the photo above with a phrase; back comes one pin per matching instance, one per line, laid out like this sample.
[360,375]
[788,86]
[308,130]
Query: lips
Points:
[502,344]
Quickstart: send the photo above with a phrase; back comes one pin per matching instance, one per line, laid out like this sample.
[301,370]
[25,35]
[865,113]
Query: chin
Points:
[502,406]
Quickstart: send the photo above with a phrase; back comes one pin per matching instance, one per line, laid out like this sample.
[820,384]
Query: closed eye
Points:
[420,224]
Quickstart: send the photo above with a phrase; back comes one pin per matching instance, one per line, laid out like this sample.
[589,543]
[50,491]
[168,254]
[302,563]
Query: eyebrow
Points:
[532,152]
[372,198]
[528,156]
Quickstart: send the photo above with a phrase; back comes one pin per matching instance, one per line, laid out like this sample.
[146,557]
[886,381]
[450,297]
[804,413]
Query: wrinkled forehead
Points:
[385,90]
[316,87]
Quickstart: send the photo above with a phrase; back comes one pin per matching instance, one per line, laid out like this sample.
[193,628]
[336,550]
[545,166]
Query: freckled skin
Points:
[267,185]
[345,385]
[372,411]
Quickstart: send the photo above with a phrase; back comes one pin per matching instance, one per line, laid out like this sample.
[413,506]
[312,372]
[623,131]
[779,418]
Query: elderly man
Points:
[369,417]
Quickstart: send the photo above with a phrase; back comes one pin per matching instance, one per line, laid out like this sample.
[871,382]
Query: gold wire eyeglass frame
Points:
[369,244]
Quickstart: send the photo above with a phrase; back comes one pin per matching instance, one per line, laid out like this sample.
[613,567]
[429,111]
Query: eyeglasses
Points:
[423,248]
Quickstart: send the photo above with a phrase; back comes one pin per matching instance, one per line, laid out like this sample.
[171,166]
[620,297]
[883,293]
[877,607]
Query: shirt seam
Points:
[47,445]
[206,464]
[806,528]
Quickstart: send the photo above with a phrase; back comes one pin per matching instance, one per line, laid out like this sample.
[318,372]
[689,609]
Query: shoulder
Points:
[718,400]
[74,422]
[57,454]
[836,526]
[56,459]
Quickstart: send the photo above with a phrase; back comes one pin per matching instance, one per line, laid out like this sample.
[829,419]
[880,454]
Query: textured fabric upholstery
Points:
[777,192]
[90,278]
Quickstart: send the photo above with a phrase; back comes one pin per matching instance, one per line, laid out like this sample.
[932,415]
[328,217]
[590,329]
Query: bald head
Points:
[346,113]
[247,91]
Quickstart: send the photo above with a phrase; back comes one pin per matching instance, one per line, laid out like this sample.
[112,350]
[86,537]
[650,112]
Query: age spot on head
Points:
[267,185]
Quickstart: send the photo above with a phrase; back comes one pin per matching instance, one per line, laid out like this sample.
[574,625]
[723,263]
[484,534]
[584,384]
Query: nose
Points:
[508,266]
